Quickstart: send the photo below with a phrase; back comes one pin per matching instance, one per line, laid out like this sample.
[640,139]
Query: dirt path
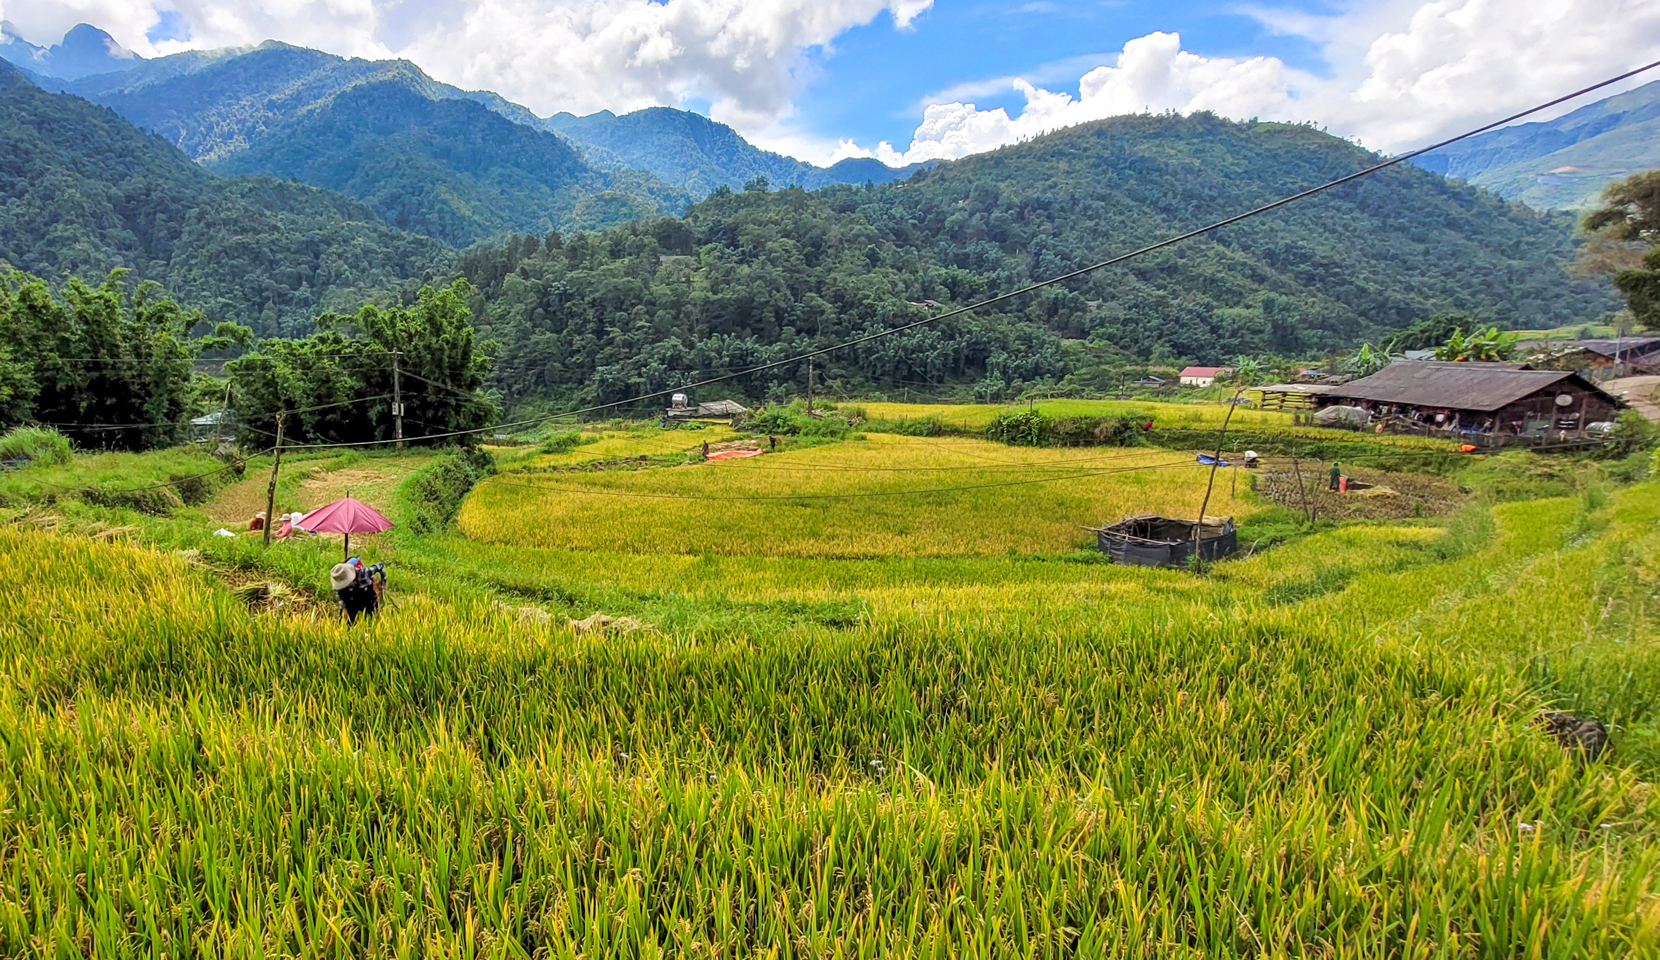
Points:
[1639,392]
[370,482]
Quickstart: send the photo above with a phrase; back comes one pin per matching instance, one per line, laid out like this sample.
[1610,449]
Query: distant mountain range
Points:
[1562,163]
[84,51]
[457,165]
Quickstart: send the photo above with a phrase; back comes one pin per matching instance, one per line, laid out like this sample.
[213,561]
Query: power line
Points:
[1029,288]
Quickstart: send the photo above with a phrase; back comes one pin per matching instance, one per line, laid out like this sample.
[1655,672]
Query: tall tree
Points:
[1630,213]
[110,367]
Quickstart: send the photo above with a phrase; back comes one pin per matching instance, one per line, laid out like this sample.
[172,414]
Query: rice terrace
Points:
[435,527]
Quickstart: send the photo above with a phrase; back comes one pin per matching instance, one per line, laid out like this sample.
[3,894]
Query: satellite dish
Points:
[1564,400]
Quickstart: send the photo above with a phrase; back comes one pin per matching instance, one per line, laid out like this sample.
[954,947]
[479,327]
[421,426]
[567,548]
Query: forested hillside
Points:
[454,165]
[747,277]
[82,191]
[450,169]
[1562,163]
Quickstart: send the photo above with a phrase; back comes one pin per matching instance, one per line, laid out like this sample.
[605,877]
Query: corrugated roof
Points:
[1297,388]
[1203,371]
[1454,386]
[1627,347]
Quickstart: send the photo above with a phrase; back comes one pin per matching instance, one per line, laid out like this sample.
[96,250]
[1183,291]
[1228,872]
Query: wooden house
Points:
[1487,404]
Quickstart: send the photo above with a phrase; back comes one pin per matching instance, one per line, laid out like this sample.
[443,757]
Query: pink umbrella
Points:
[346,516]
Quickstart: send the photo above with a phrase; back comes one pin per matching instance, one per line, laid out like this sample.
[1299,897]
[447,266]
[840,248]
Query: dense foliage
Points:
[429,158]
[751,277]
[110,366]
[336,386]
[450,169]
[82,192]
[1630,216]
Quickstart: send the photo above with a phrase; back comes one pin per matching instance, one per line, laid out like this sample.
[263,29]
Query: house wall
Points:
[1536,416]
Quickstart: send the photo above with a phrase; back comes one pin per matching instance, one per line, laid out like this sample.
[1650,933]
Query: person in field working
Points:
[358,587]
[1336,475]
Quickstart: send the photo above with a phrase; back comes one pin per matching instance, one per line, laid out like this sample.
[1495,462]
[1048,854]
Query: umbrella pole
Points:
[348,555]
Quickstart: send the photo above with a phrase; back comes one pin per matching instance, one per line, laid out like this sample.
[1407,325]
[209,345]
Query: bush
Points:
[565,442]
[1025,428]
[1633,433]
[37,444]
[433,494]
[772,420]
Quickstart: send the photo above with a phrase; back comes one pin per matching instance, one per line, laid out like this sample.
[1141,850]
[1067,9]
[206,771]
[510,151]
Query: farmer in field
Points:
[356,588]
[1336,475]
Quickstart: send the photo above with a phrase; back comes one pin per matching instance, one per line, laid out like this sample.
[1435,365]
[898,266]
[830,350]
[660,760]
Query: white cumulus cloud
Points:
[747,58]
[744,56]
[1437,68]
[1152,73]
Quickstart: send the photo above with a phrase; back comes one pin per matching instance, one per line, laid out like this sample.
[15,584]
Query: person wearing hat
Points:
[355,587]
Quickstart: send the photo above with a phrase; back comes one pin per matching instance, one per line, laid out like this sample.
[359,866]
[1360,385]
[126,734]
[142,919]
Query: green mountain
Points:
[85,50]
[699,154]
[1562,163]
[754,276]
[455,165]
[450,169]
[83,191]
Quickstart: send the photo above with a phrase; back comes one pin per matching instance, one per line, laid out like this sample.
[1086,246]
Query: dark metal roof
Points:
[1625,347]
[1457,386]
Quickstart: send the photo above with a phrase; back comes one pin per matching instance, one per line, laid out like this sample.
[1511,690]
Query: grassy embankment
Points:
[1324,748]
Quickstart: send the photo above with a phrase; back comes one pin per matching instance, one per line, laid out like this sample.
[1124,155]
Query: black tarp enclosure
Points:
[1151,541]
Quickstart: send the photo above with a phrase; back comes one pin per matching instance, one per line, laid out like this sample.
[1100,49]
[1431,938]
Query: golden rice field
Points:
[876,497]
[1168,416]
[610,444]
[1327,748]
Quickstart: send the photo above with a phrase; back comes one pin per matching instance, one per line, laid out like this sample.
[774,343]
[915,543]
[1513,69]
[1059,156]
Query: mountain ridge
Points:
[84,51]
[1565,162]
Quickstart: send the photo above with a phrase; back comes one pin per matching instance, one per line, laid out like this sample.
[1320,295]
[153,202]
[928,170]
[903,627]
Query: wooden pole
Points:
[1297,468]
[271,491]
[809,386]
[1221,436]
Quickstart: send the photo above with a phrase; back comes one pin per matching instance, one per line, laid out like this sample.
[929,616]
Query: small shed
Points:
[681,408]
[1487,403]
[1619,357]
[1292,396]
[1154,541]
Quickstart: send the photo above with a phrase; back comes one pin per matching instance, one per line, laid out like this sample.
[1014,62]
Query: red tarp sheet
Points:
[734,454]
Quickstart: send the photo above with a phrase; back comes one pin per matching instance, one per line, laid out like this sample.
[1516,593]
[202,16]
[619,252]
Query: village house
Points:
[1202,376]
[1624,356]
[1486,404]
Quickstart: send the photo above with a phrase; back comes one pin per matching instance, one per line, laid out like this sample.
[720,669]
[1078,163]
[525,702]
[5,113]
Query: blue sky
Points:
[873,85]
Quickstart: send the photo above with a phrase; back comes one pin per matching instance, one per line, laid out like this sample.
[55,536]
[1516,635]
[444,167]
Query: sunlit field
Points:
[912,726]
[880,496]
[1164,416]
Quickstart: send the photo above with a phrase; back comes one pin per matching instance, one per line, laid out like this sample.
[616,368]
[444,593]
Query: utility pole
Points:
[809,386]
[271,491]
[397,397]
